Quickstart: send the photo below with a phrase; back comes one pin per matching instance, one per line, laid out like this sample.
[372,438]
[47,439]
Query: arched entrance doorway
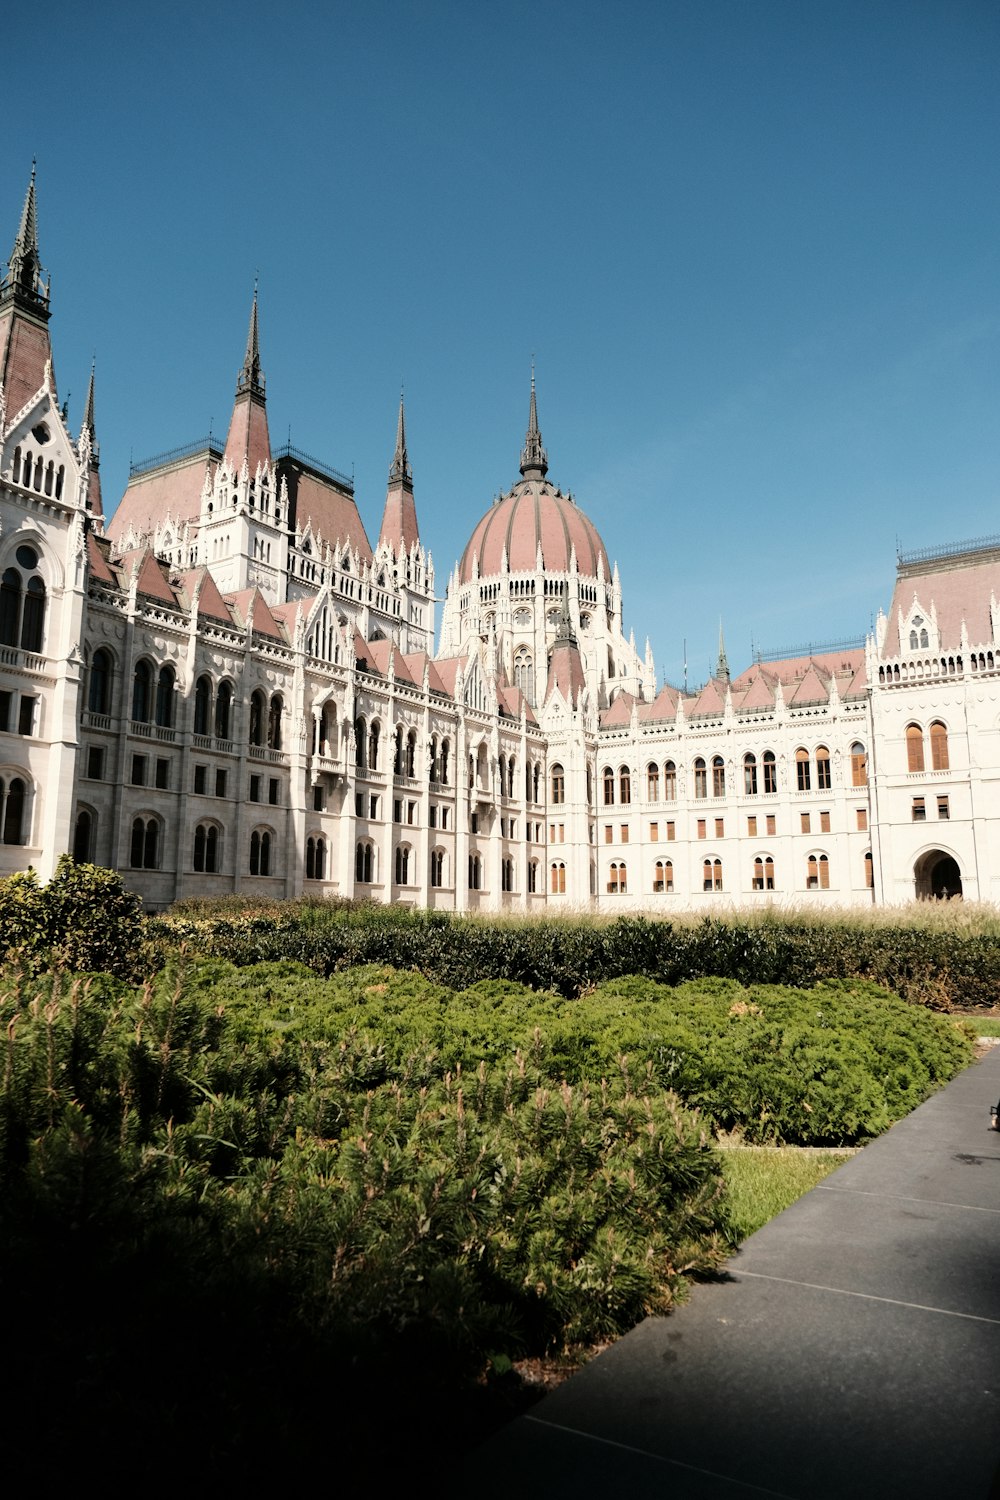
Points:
[937,876]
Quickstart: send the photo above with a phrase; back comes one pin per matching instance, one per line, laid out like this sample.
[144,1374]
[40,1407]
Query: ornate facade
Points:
[227,688]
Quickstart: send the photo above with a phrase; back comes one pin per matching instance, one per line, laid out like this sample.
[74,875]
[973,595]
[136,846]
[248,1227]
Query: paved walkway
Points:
[854,1351]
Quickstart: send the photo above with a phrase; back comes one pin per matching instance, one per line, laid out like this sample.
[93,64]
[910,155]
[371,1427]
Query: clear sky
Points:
[753,247]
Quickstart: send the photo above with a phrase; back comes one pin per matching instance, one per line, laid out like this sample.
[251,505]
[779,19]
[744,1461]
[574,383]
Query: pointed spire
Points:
[24,269]
[88,410]
[722,666]
[399,469]
[250,377]
[534,459]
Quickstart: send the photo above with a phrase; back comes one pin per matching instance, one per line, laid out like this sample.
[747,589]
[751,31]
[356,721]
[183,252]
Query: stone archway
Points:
[937,877]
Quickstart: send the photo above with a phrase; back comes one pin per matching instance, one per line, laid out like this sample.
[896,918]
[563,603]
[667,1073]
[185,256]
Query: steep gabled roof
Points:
[97,559]
[663,706]
[251,608]
[711,699]
[210,602]
[620,712]
[956,588]
[566,674]
[814,687]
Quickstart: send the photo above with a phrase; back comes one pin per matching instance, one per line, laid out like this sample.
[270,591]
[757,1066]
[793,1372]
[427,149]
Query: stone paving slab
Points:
[854,1350]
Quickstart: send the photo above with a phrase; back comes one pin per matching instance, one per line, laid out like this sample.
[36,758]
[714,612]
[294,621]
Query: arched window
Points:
[360,742]
[144,853]
[437,868]
[224,710]
[258,713]
[13,801]
[316,858]
[206,848]
[83,837]
[914,747]
[700,778]
[411,753]
[142,692]
[770,773]
[763,873]
[859,765]
[718,776]
[511,764]
[260,852]
[823,780]
[507,875]
[750,775]
[557,878]
[624,785]
[869,872]
[397,759]
[712,875]
[652,782]
[433,770]
[99,695]
[558,780]
[817,873]
[402,864]
[670,782]
[475,872]
[608,777]
[274,722]
[663,877]
[364,862]
[202,705]
[165,697]
[524,674]
[532,877]
[373,739]
[22,603]
[618,878]
[803,772]
[536,779]
[939,746]
[445,753]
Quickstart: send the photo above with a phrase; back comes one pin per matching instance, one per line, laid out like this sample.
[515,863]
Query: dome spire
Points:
[534,459]
[250,377]
[399,469]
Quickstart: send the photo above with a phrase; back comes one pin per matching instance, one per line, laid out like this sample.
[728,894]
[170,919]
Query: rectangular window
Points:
[220,783]
[752,827]
[474,822]
[138,770]
[397,810]
[806,822]
[654,833]
[562,833]
[359,804]
[609,833]
[919,810]
[254,788]
[771,823]
[862,815]
[26,715]
[720,828]
[272,790]
[943,809]
[671,832]
[373,808]
[446,818]
[95,763]
[319,799]
[552,833]
[201,782]
[432,815]
[624,833]
[162,772]
[702,829]
[824,822]
[411,812]
[6,703]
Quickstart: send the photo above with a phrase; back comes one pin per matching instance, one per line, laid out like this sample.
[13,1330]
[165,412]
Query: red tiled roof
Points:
[150,498]
[957,590]
[24,351]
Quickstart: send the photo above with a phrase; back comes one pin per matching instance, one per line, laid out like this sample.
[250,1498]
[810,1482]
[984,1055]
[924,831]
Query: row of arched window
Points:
[817,874]
[154,698]
[146,839]
[32,472]
[812,772]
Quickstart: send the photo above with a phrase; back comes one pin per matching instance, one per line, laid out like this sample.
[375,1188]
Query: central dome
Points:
[534,517]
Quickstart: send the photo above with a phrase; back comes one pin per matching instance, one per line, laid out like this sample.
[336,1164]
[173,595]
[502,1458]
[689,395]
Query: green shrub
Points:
[83,920]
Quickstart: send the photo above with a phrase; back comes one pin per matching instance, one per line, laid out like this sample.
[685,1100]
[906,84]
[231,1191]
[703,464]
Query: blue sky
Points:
[753,247]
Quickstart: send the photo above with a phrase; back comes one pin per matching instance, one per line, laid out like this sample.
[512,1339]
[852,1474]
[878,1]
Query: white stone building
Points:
[230,689]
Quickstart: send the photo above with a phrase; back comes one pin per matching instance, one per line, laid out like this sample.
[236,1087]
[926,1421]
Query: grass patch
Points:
[983,1025]
[761,1181]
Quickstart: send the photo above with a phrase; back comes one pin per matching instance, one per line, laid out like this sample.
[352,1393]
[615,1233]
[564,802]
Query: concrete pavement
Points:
[853,1351]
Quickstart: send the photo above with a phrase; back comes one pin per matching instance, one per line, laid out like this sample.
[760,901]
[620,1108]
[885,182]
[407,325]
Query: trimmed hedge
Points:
[940,965]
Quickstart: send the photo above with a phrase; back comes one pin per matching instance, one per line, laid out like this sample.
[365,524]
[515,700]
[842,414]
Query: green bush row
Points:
[935,964]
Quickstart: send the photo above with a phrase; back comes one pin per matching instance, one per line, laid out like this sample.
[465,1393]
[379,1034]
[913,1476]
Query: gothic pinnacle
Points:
[399,470]
[534,459]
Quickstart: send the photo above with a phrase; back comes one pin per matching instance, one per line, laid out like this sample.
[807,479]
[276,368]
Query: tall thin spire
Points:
[722,666]
[399,469]
[88,410]
[23,280]
[251,377]
[534,459]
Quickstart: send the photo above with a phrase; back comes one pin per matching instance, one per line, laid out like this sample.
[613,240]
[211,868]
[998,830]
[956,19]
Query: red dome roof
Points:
[534,514]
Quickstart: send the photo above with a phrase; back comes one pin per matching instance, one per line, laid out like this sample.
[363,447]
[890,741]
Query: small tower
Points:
[25,350]
[399,517]
[534,459]
[722,665]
